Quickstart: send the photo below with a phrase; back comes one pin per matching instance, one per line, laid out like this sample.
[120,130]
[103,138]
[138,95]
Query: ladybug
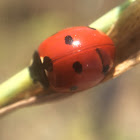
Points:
[75,59]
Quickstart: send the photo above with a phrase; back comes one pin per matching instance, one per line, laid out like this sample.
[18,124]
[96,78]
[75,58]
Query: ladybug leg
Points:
[105,66]
[37,71]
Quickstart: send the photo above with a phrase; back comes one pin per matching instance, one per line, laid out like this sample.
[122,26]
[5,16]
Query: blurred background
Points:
[110,111]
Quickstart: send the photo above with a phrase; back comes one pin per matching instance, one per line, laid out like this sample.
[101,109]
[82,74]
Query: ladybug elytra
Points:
[76,58]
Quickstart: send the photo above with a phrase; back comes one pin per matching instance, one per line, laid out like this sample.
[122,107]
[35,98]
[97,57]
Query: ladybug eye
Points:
[77,67]
[47,64]
[68,40]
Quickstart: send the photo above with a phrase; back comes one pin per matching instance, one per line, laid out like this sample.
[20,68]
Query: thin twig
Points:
[17,105]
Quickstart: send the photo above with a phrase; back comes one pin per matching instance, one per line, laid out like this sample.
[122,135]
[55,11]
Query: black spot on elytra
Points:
[77,67]
[73,88]
[68,40]
[105,67]
[48,64]
[92,28]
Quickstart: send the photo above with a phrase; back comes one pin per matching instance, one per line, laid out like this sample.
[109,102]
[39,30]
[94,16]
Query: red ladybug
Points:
[76,58]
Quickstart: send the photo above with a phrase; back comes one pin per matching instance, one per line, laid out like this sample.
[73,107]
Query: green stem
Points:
[106,21]
[14,86]
[22,81]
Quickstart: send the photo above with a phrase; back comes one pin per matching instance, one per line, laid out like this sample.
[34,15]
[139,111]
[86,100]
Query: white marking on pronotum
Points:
[42,59]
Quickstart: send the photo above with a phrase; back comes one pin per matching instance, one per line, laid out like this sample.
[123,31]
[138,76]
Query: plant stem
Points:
[106,21]
[14,86]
